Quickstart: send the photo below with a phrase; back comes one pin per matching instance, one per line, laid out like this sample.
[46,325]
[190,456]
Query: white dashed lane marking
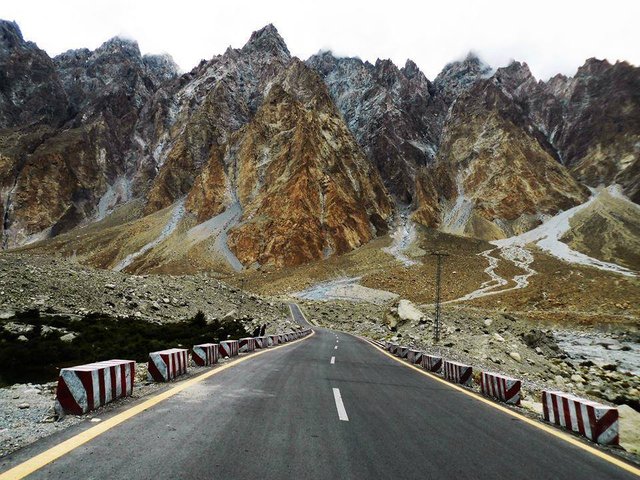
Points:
[342,413]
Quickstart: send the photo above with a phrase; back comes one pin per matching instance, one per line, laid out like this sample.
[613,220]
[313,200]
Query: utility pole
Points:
[439,259]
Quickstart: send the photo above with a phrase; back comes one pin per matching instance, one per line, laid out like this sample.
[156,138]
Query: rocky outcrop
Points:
[30,90]
[305,188]
[79,169]
[187,120]
[391,111]
[496,173]
[592,119]
[607,229]
[600,141]
[459,76]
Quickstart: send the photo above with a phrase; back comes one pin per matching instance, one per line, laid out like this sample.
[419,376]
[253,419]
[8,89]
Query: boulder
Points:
[407,311]
[69,337]
[629,429]
[516,356]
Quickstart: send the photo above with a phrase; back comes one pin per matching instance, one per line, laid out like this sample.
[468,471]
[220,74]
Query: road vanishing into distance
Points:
[331,406]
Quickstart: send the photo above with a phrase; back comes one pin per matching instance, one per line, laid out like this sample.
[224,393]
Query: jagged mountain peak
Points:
[161,65]
[457,77]
[410,69]
[267,39]
[10,34]
[515,79]
[119,44]
[593,64]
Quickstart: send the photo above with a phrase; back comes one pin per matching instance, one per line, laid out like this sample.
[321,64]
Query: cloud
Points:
[550,35]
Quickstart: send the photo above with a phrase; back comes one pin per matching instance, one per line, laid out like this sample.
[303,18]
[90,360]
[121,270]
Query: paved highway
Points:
[330,406]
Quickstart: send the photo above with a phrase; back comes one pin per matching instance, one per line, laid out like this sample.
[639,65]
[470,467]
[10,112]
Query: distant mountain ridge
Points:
[309,156]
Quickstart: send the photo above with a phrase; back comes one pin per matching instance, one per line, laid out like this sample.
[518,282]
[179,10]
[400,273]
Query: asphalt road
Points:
[278,416]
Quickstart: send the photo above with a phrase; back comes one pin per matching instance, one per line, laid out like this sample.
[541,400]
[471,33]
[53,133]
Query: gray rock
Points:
[69,337]
[516,356]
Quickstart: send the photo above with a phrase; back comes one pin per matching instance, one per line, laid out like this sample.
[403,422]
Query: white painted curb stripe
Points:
[342,413]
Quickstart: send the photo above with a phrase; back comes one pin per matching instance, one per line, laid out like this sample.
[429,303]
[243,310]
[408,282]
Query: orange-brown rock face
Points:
[495,172]
[305,188]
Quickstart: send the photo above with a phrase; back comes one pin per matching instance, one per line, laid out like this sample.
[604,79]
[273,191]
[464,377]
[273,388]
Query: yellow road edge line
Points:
[535,423]
[35,463]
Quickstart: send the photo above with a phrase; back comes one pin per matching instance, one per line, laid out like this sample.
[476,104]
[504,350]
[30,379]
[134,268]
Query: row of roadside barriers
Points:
[86,387]
[597,422]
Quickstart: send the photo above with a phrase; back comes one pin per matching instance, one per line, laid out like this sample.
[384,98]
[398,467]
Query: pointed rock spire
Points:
[267,39]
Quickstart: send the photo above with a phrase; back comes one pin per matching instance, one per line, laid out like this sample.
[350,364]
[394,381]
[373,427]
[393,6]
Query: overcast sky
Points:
[552,36]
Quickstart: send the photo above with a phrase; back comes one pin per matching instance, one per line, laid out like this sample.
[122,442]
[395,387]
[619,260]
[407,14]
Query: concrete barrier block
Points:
[166,365]
[274,340]
[228,348]
[86,387]
[261,342]
[597,422]
[458,372]
[246,345]
[392,347]
[501,387]
[403,352]
[282,338]
[205,354]
[432,363]
[414,356]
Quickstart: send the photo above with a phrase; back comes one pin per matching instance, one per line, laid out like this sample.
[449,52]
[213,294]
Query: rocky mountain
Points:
[496,173]
[257,158]
[592,119]
[600,141]
[459,76]
[392,112]
[65,169]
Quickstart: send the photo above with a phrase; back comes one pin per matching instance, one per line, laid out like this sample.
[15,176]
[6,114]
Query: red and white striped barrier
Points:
[403,352]
[247,345]
[414,356]
[261,342]
[166,365]
[501,387]
[432,363]
[595,421]
[274,340]
[457,372]
[87,387]
[228,348]
[205,354]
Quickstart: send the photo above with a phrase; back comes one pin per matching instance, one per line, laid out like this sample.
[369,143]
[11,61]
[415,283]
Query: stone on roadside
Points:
[629,429]
[408,311]
[487,322]
[516,356]
[575,378]
[499,338]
